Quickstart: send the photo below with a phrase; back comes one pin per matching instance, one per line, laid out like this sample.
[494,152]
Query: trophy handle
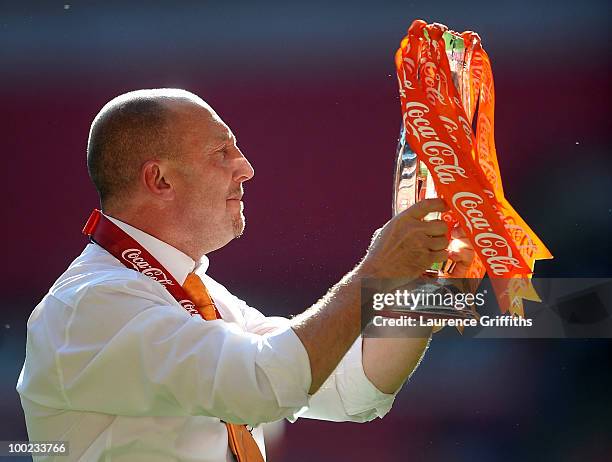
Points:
[412,183]
[405,183]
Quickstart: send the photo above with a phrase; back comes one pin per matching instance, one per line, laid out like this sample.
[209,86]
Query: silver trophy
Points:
[412,183]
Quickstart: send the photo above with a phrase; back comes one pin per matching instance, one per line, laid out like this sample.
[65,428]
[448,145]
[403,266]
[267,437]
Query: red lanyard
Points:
[128,251]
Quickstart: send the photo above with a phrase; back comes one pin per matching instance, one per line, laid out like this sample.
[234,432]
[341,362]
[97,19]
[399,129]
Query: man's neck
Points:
[159,225]
[172,259]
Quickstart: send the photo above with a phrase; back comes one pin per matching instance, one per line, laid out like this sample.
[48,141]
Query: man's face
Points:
[208,174]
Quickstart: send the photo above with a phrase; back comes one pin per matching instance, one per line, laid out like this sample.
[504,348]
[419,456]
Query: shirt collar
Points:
[178,263]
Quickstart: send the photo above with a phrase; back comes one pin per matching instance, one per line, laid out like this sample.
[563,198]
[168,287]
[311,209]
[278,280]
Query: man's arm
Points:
[405,247]
[388,362]
[126,348]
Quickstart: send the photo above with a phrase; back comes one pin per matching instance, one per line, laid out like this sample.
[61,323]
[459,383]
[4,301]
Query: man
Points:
[115,365]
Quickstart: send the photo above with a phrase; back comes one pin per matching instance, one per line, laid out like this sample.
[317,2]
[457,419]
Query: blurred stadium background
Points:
[310,92]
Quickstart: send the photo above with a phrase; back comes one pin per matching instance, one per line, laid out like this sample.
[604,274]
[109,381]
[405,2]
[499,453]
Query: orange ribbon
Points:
[463,165]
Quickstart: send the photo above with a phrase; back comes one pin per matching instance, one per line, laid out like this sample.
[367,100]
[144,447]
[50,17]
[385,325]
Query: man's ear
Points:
[152,176]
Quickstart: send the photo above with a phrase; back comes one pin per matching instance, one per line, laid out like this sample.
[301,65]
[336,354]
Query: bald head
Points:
[165,162]
[129,130]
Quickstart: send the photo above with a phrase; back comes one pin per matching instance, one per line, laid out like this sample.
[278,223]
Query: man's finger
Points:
[437,243]
[435,228]
[422,208]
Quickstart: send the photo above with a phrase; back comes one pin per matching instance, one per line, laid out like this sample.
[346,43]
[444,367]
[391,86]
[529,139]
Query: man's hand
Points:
[407,245]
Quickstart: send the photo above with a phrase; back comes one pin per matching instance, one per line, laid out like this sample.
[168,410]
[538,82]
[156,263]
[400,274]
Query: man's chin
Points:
[238,224]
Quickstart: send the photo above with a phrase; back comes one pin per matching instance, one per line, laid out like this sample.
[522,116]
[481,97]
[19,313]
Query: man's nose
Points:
[244,170]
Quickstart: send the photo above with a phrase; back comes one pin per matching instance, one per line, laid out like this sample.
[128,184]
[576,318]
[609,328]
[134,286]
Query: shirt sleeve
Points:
[125,350]
[346,395]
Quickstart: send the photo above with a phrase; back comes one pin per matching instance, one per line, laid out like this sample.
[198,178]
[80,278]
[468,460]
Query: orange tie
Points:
[241,442]
[199,295]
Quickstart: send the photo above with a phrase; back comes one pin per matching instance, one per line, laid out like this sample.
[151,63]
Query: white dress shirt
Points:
[116,367]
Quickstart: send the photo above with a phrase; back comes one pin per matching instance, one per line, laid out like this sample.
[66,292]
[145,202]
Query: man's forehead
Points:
[201,119]
[217,132]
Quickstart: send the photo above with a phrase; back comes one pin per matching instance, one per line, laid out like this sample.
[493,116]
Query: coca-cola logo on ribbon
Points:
[493,247]
[189,306]
[442,156]
[135,259]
